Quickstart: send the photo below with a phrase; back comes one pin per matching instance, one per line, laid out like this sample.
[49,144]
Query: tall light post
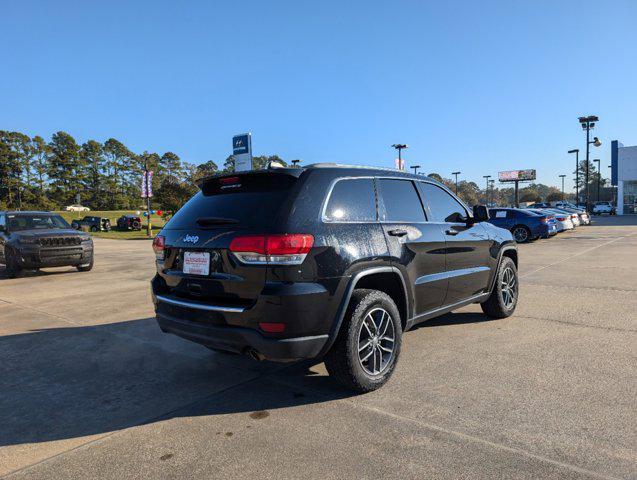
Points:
[599,175]
[456,175]
[492,183]
[562,177]
[295,162]
[399,147]
[486,192]
[588,123]
[415,167]
[576,152]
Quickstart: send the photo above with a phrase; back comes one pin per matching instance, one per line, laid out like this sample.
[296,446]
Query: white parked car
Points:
[564,221]
[77,208]
[603,207]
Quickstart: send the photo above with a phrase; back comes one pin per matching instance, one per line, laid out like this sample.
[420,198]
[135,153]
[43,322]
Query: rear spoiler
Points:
[289,171]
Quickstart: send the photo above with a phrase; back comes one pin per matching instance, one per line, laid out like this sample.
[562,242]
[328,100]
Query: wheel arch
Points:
[385,279]
[509,251]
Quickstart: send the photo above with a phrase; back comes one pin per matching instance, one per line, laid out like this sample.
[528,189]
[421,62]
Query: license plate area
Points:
[196,263]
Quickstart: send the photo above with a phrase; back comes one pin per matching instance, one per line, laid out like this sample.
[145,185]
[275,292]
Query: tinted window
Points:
[442,206]
[401,201]
[352,200]
[497,213]
[16,222]
[247,200]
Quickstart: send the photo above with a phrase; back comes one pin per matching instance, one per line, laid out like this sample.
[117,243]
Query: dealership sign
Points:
[516,175]
[242,152]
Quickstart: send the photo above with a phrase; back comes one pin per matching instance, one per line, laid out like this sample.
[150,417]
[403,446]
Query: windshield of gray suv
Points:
[17,222]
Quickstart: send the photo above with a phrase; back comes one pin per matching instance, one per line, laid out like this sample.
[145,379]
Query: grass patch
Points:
[156,222]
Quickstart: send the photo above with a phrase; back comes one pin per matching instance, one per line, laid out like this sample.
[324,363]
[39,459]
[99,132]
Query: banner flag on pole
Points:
[149,193]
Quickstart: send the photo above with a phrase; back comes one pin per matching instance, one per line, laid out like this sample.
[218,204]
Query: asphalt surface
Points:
[90,388]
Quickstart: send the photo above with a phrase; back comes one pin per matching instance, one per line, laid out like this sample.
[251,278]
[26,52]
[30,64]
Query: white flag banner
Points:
[400,164]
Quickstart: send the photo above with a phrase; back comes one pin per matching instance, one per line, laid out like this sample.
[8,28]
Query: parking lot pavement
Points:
[91,388]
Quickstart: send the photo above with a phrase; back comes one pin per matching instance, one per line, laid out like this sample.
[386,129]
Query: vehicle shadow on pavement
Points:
[64,383]
[37,273]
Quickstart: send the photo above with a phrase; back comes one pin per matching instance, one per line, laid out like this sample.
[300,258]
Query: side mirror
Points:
[480,213]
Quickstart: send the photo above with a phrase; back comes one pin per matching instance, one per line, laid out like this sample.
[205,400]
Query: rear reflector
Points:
[159,244]
[282,249]
[272,327]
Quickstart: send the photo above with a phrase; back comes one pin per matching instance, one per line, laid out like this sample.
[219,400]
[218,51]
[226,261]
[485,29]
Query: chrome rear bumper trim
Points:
[199,306]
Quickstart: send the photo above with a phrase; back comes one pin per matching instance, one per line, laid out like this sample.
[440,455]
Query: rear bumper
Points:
[302,307]
[243,340]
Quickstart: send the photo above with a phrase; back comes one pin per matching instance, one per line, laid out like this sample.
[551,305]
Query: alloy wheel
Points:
[520,234]
[509,287]
[376,341]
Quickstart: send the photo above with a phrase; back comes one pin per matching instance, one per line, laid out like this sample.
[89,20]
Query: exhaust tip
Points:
[254,355]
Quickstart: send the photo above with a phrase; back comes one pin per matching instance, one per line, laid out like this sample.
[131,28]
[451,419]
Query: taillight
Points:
[280,249]
[159,244]
[561,219]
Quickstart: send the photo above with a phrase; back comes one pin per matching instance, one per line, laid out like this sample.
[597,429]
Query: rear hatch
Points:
[197,263]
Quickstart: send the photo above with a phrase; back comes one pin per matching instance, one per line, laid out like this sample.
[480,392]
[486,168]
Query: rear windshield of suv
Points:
[244,200]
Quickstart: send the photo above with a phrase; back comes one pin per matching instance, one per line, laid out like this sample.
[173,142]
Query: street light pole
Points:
[415,167]
[562,177]
[587,124]
[486,192]
[399,147]
[576,152]
[456,175]
[492,196]
[599,175]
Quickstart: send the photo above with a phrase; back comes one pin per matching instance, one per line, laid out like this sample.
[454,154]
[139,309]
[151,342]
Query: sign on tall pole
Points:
[242,152]
[147,193]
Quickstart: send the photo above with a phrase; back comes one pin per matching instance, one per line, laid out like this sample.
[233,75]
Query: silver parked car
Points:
[564,221]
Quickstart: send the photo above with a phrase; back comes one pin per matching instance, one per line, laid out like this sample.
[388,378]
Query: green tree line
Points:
[47,175]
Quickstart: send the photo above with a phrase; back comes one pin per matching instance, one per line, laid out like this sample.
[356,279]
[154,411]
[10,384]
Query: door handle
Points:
[398,232]
[451,232]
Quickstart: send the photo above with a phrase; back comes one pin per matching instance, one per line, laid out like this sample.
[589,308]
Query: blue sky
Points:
[472,86]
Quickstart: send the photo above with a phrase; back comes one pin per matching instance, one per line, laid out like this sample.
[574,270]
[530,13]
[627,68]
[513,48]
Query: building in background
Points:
[624,176]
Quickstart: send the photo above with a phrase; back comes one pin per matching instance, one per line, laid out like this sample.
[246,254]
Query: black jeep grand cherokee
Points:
[32,240]
[326,261]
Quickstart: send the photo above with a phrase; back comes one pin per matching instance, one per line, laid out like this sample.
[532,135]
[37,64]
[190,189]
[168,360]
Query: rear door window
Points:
[400,200]
[245,200]
[442,206]
[352,200]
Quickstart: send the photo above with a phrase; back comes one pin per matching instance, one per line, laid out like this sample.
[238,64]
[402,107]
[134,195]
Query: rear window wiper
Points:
[210,221]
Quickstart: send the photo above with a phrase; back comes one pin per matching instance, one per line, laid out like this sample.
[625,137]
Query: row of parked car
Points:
[539,220]
[103,224]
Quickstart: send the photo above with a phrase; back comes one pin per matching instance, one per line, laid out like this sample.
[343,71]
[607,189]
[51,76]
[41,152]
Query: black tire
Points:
[86,268]
[14,270]
[343,361]
[94,228]
[521,233]
[499,304]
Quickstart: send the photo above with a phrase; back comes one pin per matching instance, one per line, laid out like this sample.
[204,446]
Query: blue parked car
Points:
[523,224]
